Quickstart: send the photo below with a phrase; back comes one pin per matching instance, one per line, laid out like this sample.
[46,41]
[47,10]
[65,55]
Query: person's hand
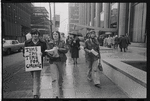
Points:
[89,51]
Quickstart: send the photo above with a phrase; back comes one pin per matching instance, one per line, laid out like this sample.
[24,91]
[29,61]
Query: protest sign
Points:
[33,58]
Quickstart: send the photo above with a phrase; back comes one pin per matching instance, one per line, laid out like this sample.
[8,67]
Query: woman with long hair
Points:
[57,58]
[93,55]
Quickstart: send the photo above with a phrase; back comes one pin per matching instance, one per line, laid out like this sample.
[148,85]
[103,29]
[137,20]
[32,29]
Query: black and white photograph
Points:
[58,50]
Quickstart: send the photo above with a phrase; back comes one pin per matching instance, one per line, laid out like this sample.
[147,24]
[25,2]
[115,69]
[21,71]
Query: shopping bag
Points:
[100,65]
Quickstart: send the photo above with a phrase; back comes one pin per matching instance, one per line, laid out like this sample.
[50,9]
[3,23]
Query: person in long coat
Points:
[123,43]
[75,47]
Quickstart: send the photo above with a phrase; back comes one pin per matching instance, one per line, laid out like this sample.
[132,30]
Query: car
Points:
[12,46]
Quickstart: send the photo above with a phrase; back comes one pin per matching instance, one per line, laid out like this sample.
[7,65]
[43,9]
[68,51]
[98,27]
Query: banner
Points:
[33,58]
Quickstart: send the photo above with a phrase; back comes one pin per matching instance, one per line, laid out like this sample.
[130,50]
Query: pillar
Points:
[106,15]
[98,10]
[88,14]
[80,14]
[122,18]
[92,14]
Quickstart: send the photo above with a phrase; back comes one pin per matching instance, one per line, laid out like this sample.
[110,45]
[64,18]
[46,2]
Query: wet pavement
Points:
[76,85]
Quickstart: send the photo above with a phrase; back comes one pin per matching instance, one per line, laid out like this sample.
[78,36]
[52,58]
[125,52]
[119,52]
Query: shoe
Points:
[56,97]
[36,96]
[98,85]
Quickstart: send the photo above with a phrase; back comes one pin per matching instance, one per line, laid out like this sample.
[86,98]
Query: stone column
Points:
[92,14]
[88,14]
[80,14]
[98,10]
[106,15]
[122,18]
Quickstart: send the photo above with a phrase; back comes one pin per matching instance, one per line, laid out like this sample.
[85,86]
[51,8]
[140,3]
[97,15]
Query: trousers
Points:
[36,82]
[57,73]
[93,72]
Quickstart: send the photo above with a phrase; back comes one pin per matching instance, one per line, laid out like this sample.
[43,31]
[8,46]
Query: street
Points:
[16,82]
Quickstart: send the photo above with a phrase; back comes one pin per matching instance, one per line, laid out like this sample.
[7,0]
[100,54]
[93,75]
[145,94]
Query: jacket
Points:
[89,45]
[62,52]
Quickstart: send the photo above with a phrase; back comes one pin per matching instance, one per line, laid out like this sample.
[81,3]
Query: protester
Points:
[35,41]
[87,38]
[123,43]
[92,46]
[75,47]
[60,59]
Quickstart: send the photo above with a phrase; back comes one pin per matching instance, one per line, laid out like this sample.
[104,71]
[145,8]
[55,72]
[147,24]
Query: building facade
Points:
[16,20]
[73,9]
[40,21]
[128,18]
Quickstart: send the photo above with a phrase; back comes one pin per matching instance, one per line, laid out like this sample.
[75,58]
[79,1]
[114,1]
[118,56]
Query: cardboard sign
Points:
[33,58]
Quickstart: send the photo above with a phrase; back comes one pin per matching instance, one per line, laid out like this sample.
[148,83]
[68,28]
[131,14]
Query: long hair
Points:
[58,35]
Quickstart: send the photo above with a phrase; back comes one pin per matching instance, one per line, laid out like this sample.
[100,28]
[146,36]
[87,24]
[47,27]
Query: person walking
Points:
[116,41]
[105,41]
[93,55]
[100,40]
[128,41]
[123,43]
[36,41]
[113,41]
[109,42]
[57,58]
[75,47]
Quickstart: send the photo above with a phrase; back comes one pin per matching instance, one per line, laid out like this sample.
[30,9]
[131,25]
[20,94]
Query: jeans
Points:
[57,73]
[93,72]
[36,82]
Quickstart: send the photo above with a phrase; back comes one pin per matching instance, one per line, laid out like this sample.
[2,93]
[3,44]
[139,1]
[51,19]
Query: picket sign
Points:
[33,58]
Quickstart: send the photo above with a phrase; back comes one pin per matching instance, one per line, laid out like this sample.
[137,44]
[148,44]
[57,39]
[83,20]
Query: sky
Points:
[60,9]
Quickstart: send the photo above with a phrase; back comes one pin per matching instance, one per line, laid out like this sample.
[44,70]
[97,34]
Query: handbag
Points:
[100,65]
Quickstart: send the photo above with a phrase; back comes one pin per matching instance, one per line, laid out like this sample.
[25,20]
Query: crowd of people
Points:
[113,41]
[60,47]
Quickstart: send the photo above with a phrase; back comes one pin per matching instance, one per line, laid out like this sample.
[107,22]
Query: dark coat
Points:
[123,42]
[75,47]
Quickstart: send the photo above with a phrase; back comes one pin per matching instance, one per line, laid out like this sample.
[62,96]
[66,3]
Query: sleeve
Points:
[85,47]
[64,48]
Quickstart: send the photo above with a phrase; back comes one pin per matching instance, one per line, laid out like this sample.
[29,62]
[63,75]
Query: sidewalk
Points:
[75,83]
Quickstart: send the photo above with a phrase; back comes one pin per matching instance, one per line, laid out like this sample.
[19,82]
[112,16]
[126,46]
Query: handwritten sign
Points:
[33,58]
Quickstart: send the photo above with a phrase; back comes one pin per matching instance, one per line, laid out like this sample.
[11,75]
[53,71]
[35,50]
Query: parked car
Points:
[12,46]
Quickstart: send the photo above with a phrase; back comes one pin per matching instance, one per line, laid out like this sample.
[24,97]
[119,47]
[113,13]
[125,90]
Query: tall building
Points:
[126,18]
[16,20]
[40,21]
[73,15]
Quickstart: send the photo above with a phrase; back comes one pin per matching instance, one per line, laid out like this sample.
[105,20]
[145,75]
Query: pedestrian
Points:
[100,40]
[113,41]
[109,42]
[105,41]
[128,41]
[116,41]
[92,46]
[36,41]
[75,47]
[123,43]
[57,60]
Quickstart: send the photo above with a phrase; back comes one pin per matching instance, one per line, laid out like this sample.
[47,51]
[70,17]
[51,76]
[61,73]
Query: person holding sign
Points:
[93,55]
[57,50]
[31,46]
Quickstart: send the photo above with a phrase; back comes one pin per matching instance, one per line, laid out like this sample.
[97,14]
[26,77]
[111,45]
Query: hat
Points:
[92,31]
